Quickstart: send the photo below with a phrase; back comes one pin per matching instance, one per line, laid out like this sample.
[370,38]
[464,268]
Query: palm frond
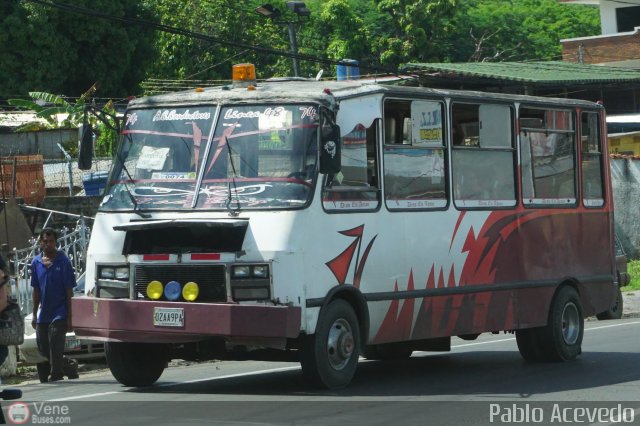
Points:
[49,98]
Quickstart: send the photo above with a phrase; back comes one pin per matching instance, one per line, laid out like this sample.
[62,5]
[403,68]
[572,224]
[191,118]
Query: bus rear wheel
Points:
[136,364]
[528,344]
[329,357]
[561,338]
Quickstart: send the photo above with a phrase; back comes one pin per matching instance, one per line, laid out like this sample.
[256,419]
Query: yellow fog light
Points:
[190,291]
[155,290]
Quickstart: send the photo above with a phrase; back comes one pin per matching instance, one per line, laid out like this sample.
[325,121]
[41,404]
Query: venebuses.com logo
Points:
[20,413]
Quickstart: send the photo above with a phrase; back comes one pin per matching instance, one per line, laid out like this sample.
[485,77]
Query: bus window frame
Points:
[576,166]
[445,152]
[324,187]
[601,146]
[513,150]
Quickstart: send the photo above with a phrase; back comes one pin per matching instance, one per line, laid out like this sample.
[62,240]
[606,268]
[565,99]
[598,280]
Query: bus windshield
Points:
[253,157]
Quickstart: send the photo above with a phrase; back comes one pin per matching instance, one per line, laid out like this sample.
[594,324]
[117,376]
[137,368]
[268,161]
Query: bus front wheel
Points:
[136,364]
[329,357]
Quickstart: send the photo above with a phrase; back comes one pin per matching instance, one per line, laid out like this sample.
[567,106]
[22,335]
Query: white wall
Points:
[608,14]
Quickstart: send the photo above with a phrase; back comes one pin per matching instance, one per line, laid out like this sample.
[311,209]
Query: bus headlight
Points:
[155,290]
[190,291]
[240,271]
[260,271]
[122,273]
[172,290]
[108,272]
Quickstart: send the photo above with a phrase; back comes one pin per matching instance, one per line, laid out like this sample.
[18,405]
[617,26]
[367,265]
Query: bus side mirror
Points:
[85,153]
[330,149]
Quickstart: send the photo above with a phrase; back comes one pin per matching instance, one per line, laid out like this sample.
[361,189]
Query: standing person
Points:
[53,280]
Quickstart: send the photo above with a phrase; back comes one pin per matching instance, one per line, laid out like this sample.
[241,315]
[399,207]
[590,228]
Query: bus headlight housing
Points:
[112,281]
[250,282]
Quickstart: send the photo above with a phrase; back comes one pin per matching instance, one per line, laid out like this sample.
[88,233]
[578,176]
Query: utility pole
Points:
[294,49]
[300,9]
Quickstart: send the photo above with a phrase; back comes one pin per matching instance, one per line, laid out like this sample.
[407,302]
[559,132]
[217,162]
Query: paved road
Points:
[461,387]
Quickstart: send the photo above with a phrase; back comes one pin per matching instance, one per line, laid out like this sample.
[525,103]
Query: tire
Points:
[561,338]
[528,345]
[615,311]
[329,357]
[136,364]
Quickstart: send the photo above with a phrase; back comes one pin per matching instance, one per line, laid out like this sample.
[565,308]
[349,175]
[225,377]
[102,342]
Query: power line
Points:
[195,35]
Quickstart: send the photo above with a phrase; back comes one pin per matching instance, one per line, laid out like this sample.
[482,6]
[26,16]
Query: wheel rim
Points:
[570,324]
[340,344]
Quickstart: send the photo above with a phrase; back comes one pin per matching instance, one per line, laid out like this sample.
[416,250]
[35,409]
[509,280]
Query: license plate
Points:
[168,317]
[71,344]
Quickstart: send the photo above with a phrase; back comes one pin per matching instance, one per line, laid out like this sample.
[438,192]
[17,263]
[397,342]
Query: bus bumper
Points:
[124,320]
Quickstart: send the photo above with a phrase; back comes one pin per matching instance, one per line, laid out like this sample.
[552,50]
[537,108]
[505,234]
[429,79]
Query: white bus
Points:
[347,219]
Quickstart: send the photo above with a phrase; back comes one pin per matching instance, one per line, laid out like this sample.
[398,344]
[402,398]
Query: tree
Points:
[418,29]
[57,51]
[183,57]
[516,30]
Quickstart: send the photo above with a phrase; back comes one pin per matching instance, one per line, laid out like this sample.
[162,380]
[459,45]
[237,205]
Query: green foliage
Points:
[58,113]
[516,30]
[633,268]
[61,114]
[418,29]
[107,137]
[53,51]
[50,50]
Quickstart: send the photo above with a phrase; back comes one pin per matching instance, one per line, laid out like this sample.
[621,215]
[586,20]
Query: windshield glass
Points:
[258,157]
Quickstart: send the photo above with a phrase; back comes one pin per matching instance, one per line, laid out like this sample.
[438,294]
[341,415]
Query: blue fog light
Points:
[172,290]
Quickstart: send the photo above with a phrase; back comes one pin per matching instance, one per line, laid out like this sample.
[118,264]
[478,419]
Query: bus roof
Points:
[328,92]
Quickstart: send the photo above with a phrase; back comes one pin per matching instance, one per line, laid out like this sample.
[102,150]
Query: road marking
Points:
[602,327]
[612,325]
[297,367]
[165,385]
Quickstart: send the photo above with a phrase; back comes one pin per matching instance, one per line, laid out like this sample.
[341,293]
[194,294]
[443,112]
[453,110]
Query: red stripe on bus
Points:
[155,257]
[205,256]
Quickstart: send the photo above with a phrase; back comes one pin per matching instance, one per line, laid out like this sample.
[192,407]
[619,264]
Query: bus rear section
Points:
[340,219]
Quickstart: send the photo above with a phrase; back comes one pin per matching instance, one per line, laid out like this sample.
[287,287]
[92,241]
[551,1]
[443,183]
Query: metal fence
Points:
[73,242]
[64,177]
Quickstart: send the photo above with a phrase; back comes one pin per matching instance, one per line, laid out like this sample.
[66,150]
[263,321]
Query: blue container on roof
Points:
[348,69]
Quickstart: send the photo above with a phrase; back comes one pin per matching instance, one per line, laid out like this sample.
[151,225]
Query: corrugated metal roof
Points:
[552,72]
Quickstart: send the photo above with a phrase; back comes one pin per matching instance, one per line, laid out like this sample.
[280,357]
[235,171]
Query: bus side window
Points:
[355,187]
[414,165]
[483,158]
[547,146]
[591,160]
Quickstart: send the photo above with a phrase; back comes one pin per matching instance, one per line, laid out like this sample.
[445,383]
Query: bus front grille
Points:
[210,279]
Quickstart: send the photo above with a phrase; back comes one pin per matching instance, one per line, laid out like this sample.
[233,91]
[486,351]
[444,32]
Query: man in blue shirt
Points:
[53,280]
